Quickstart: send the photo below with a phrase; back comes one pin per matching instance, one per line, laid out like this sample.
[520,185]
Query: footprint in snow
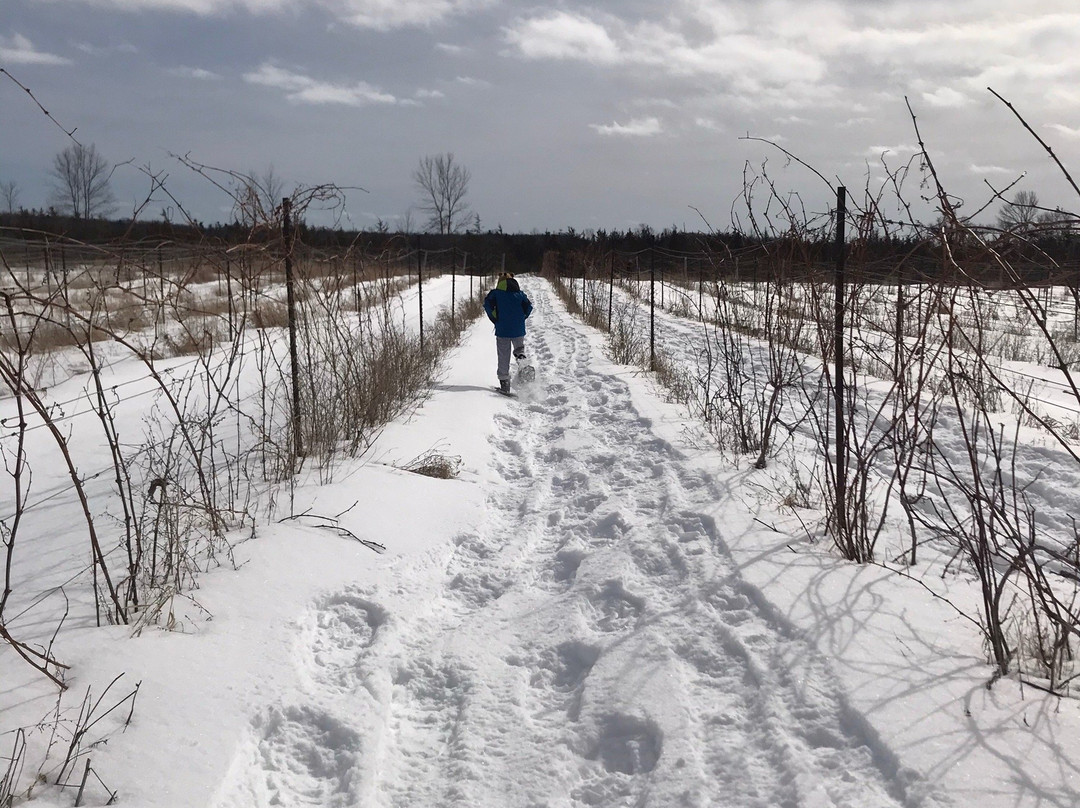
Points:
[560,673]
[614,609]
[564,570]
[345,626]
[608,526]
[627,745]
[297,757]
[627,749]
[476,590]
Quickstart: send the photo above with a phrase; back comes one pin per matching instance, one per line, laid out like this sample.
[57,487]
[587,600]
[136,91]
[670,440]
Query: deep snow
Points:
[597,611]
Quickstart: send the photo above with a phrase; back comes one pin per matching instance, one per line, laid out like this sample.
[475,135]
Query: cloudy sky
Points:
[605,114]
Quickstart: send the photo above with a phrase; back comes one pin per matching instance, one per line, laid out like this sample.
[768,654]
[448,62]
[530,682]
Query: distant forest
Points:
[522,251]
[1042,260]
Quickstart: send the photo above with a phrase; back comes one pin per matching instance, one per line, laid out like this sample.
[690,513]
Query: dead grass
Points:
[433,463]
[189,343]
[270,314]
[53,337]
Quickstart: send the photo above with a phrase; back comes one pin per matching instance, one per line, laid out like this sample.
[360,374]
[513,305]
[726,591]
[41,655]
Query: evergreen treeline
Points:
[1053,258]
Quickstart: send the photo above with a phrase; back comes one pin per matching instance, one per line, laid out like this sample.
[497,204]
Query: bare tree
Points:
[1057,223]
[1021,214]
[9,193]
[82,182]
[444,184]
[257,196]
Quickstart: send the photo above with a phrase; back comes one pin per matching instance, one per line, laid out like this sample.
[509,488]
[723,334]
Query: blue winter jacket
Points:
[508,307]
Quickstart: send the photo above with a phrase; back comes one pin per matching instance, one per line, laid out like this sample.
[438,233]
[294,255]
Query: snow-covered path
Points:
[591,644]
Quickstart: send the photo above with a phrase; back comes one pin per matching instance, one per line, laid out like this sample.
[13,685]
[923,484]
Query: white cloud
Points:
[430,94]
[384,15]
[304,89]
[747,58]
[1063,95]
[710,124]
[1067,131]
[797,55]
[563,35]
[898,149]
[976,169]
[106,50]
[638,127]
[205,8]
[946,97]
[469,81]
[19,50]
[453,50]
[194,73]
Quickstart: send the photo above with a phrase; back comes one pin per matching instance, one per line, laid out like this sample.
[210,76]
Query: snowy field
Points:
[597,611]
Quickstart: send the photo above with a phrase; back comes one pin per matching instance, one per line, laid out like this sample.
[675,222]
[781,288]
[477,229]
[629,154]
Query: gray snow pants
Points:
[504,345]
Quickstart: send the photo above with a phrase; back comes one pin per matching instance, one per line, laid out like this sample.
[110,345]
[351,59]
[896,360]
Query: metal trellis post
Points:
[652,310]
[290,295]
[838,384]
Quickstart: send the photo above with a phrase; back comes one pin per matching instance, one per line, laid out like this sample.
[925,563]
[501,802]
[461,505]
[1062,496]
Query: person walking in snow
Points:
[508,308]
